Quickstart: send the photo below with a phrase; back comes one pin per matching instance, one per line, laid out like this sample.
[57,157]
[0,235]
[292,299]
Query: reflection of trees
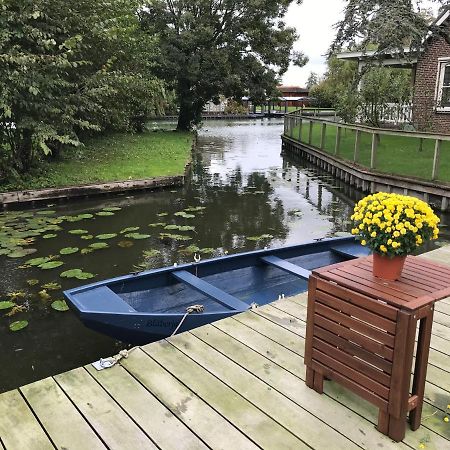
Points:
[239,205]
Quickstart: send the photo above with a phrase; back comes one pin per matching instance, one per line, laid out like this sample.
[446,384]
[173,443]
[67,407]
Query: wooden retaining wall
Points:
[367,181]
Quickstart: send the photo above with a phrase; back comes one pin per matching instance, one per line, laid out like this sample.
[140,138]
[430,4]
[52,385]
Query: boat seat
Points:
[286,266]
[102,299]
[209,290]
[351,250]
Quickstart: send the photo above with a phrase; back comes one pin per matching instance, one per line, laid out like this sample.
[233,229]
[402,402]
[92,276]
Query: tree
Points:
[67,68]
[391,24]
[213,47]
[313,80]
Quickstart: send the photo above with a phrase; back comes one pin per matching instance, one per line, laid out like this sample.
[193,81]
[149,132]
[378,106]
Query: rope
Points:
[106,363]
[189,310]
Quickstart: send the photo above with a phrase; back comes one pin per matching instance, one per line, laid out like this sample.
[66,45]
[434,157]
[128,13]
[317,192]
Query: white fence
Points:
[391,113]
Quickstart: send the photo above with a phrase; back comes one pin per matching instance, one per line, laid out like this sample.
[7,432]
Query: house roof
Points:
[394,58]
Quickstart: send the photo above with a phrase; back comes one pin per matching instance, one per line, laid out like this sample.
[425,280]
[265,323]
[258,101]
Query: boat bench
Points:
[361,333]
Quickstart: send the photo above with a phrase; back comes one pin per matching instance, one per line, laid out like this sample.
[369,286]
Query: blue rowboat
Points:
[151,305]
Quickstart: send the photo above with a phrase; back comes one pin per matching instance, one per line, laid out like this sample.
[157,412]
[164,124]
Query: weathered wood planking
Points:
[238,383]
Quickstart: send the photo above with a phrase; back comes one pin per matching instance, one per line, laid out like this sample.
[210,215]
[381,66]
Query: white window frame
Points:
[442,65]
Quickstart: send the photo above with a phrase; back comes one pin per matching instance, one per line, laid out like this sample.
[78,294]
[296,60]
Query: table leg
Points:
[383,422]
[420,370]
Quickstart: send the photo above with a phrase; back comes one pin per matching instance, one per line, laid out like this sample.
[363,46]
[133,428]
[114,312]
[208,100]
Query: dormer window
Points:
[443,86]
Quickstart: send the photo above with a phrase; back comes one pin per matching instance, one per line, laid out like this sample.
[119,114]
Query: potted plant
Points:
[393,226]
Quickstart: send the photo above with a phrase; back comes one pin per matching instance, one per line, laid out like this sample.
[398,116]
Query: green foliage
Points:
[68,68]
[213,47]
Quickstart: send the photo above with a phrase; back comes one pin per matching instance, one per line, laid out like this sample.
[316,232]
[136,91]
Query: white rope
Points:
[189,310]
[107,363]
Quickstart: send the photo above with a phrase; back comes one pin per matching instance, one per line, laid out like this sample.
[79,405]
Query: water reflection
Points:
[250,197]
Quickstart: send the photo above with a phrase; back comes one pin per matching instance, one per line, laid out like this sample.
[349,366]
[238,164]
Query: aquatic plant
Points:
[60,305]
[18,325]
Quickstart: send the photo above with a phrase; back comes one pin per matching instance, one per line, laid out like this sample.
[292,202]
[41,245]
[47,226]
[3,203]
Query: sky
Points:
[314,20]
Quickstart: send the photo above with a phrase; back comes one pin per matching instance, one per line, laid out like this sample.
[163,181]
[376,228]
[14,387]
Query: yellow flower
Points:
[355,231]
[373,234]
[389,241]
[446,419]
[363,242]
[403,231]
[396,234]
[421,445]
[383,248]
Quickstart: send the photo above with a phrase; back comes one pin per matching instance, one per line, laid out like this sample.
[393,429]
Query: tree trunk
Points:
[23,153]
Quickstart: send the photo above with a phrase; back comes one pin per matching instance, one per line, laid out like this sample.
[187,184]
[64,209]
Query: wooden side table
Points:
[361,332]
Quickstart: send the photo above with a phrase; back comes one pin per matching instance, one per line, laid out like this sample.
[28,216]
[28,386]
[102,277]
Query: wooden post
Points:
[373,152]
[357,145]
[437,156]
[293,125]
[285,125]
[338,140]
[323,136]
[300,126]
[311,123]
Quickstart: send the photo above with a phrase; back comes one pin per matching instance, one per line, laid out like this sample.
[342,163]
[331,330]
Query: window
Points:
[443,87]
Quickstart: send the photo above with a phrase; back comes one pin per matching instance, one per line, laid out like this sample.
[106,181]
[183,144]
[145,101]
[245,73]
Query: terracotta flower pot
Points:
[388,268]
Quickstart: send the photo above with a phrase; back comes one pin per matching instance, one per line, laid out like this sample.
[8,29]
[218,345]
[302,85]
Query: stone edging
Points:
[367,180]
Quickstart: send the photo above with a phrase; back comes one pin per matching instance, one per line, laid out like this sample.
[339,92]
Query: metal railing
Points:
[295,121]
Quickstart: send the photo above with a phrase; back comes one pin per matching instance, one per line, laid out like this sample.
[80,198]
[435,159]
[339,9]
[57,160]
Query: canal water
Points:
[241,195]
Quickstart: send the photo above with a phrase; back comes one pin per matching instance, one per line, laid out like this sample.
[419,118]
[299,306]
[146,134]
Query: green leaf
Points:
[51,265]
[137,236]
[72,273]
[129,230]
[163,214]
[60,305]
[87,237]
[51,286]
[18,325]
[112,208]
[32,282]
[106,236]
[158,224]
[38,261]
[98,245]
[77,232]
[6,305]
[176,237]
[104,213]
[184,215]
[151,253]
[68,250]
[21,252]
[49,236]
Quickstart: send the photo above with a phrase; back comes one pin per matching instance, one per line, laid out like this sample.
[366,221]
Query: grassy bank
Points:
[115,157]
[398,155]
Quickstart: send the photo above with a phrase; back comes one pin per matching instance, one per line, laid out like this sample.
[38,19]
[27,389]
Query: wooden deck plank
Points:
[278,334]
[154,418]
[436,427]
[183,403]
[259,427]
[115,427]
[329,412]
[296,419]
[19,428]
[61,420]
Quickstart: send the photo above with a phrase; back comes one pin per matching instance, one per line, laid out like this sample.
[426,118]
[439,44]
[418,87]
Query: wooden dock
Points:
[235,384]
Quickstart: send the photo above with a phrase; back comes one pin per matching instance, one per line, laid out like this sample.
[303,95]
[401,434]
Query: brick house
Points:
[431,78]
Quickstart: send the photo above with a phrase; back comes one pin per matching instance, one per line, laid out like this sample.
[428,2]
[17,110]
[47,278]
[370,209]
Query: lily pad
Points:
[68,250]
[77,273]
[78,232]
[44,294]
[151,253]
[125,244]
[190,250]
[38,261]
[87,237]
[49,236]
[184,215]
[163,214]
[258,238]
[21,252]
[106,236]
[18,325]
[51,265]
[179,227]
[104,213]
[195,208]
[86,216]
[98,245]
[6,305]
[176,237]
[157,224]
[86,251]
[137,236]
[51,286]
[60,305]
[45,213]
[112,208]
[32,282]
[129,230]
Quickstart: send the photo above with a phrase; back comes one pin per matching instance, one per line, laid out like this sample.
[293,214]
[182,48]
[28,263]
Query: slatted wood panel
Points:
[238,383]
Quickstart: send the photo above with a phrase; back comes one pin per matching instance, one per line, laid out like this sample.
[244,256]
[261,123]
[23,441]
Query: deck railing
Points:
[300,127]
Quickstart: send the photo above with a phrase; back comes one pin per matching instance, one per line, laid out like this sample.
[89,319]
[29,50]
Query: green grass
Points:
[397,155]
[114,157]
